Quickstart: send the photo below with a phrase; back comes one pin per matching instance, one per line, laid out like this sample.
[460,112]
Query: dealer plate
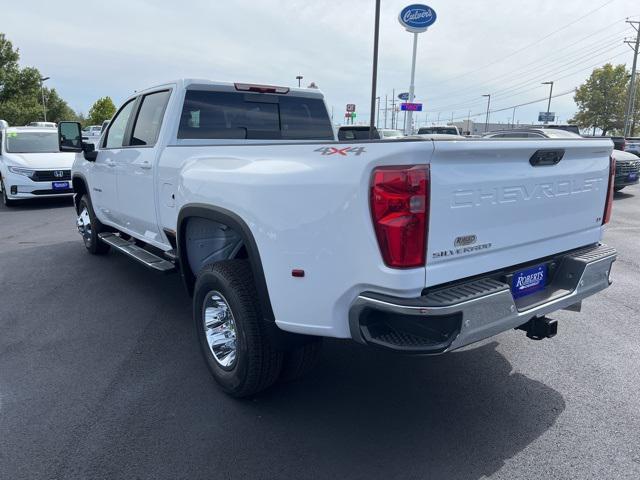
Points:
[59,185]
[528,281]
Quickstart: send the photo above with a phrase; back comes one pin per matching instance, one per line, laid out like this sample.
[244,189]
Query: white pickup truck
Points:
[284,235]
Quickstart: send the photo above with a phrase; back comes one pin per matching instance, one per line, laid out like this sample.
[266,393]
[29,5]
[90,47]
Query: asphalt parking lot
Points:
[101,377]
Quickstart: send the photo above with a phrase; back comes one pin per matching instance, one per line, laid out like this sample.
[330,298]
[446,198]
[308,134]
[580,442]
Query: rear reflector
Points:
[247,87]
[609,202]
[399,209]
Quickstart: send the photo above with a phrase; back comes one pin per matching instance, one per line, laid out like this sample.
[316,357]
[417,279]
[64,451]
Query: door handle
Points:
[146,165]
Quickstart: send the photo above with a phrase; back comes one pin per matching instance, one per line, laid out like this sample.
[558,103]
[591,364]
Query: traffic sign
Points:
[546,116]
[403,96]
[351,107]
[411,107]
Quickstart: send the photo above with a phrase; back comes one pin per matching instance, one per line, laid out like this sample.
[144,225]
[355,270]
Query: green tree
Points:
[102,110]
[21,91]
[602,98]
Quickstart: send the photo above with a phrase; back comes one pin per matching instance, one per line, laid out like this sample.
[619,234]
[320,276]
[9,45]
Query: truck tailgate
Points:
[491,208]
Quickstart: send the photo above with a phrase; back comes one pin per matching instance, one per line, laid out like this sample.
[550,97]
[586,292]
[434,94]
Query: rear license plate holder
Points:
[529,280]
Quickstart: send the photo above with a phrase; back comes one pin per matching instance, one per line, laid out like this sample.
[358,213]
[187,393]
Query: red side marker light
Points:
[297,272]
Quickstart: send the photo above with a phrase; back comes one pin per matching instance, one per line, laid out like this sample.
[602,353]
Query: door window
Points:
[147,127]
[116,132]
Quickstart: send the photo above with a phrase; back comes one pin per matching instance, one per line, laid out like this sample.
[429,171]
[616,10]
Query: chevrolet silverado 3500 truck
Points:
[284,235]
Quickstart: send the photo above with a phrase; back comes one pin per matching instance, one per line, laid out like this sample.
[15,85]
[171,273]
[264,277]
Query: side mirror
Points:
[69,137]
[90,153]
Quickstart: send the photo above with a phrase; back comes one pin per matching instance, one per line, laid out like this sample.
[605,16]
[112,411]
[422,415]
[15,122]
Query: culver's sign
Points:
[417,18]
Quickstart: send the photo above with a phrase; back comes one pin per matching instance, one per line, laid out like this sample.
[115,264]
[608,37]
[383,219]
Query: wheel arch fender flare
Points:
[80,187]
[239,226]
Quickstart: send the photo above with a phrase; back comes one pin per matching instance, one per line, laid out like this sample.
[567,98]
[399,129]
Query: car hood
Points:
[54,160]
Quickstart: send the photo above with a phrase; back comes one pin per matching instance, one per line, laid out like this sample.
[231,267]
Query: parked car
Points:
[449,130]
[569,128]
[92,131]
[532,133]
[31,164]
[356,132]
[42,124]
[390,133]
[633,145]
[627,169]
[284,235]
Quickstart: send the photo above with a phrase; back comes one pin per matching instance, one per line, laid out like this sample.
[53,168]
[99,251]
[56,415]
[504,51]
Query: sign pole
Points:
[409,125]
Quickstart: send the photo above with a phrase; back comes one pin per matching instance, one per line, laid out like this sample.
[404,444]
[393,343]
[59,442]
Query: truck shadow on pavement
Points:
[140,403]
[38,204]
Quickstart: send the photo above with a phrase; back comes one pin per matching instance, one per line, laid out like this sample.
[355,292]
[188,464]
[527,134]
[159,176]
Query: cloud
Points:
[113,48]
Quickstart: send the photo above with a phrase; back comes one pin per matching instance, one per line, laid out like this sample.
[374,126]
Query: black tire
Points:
[301,360]
[257,362]
[5,201]
[91,241]
[617,189]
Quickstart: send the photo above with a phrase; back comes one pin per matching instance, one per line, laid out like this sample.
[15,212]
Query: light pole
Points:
[486,120]
[374,73]
[299,77]
[548,104]
[44,107]
[513,118]
[378,114]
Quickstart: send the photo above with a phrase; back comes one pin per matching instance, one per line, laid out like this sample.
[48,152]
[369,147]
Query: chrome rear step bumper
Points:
[448,318]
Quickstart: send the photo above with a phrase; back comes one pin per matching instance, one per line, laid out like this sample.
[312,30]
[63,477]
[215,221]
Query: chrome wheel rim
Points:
[84,225]
[220,329]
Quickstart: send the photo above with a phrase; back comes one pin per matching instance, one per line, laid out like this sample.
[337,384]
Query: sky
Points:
[505,48]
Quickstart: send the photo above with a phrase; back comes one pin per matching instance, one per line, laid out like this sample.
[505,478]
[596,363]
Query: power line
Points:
[533,43]
[520,72]
[512,90]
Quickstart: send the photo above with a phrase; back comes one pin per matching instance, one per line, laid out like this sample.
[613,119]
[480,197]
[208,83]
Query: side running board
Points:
[132,250]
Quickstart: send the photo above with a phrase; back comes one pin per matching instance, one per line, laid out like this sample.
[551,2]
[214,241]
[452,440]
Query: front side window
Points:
[147,127]
[236,115]
[115,134]
[32,142]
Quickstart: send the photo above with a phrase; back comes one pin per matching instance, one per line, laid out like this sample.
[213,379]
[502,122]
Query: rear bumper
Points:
[444,319]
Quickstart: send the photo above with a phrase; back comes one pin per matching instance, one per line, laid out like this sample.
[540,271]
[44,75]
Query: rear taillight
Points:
[609,202]
[400,212]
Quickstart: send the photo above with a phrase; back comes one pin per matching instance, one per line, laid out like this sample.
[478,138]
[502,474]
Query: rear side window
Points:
[147,127]
[254,116]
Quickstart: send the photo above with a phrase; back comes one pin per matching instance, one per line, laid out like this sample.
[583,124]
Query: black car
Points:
[353,132]
[627,169]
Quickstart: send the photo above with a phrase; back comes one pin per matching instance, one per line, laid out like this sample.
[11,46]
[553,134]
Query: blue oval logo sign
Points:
[417,18]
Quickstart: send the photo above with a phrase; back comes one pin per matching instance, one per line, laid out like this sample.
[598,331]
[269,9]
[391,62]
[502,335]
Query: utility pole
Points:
[469,122]
[44,105]
[486,121]
[378,114]
[299,77]
[393,108]
[376,35]
[386,107]
[631,98]
[548,104]
[513,118]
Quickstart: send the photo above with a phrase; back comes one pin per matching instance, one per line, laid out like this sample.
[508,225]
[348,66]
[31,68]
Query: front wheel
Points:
[231,331]
[5,199]
[89,227]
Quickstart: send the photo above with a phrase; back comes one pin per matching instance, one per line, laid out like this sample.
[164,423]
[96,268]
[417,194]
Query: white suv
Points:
[31,164]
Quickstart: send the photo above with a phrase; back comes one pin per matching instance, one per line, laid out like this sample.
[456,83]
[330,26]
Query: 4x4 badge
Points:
[340,151]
